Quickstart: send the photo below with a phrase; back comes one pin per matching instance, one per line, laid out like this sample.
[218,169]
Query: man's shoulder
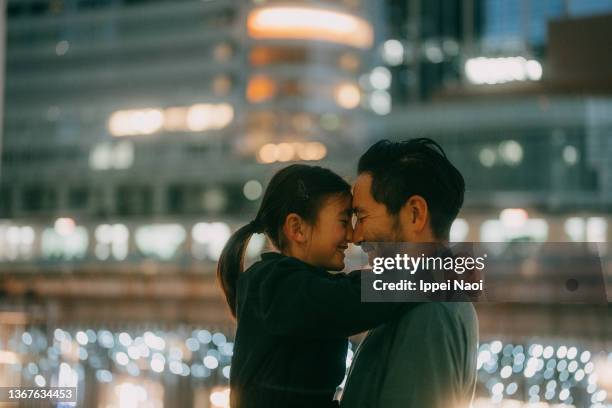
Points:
[448,309]
[458,310]
[440,315]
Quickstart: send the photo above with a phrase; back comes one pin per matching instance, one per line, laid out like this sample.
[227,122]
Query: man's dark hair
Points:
[418,166]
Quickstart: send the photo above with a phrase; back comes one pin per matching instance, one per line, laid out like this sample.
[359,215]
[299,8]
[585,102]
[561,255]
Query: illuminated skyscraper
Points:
[101,95]
[302,90]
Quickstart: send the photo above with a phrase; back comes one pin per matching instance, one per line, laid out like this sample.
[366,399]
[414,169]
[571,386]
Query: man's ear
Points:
[295,228]
[415,214]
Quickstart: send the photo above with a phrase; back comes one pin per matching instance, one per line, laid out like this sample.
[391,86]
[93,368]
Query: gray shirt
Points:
[426,358]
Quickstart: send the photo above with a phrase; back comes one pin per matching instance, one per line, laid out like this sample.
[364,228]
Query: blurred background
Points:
[138,134]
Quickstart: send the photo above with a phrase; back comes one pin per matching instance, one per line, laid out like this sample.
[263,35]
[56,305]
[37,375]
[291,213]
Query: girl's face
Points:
[331,233]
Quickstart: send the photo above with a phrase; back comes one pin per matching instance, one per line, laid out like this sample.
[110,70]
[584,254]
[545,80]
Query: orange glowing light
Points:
[309,23]
[260,88]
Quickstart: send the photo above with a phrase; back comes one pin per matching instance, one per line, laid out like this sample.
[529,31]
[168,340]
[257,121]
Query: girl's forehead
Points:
[340,199]
[338,204]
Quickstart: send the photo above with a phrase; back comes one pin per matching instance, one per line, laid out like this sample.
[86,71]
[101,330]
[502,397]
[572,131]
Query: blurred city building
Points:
[518,94]
[138,134]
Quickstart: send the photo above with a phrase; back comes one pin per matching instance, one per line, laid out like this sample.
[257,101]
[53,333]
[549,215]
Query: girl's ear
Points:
[295,228]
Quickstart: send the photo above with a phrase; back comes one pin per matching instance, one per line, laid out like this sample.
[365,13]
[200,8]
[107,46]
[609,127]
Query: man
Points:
[426,358]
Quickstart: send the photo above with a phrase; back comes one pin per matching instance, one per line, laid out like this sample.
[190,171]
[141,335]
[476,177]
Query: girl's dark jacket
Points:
[293,324]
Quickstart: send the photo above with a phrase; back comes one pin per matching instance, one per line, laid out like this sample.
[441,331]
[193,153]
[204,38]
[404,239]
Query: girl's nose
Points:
[349,234]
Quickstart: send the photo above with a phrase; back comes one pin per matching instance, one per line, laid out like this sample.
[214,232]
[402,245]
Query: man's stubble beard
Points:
[393,235]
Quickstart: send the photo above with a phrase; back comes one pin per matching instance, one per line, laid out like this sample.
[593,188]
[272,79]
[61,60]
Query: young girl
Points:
[294,316]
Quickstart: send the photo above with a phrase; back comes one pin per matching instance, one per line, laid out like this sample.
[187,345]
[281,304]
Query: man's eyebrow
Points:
[357,210]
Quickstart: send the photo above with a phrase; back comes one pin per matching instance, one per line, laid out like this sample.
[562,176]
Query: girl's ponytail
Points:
[231,261]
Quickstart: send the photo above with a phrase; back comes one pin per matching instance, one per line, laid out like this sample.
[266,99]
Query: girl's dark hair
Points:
[298,189]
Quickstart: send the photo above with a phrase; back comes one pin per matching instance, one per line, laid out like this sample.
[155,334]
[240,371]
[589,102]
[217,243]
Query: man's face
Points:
[373,223]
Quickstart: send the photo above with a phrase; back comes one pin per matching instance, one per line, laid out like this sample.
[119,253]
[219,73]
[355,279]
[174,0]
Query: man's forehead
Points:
[361,187]
[362,184]
[359,198]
